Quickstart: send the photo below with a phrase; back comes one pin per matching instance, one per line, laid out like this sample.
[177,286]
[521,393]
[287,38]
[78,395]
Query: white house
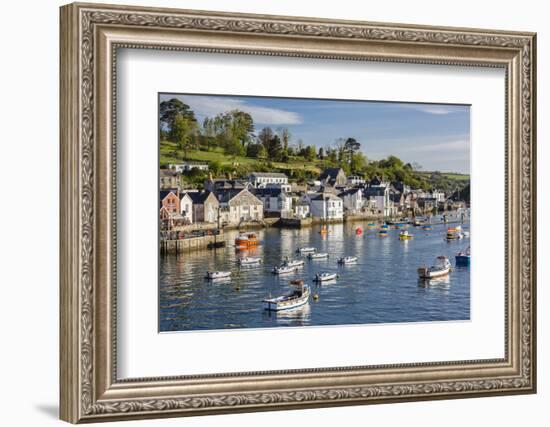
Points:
[186,207]
[275,200]
[439,196]
[378,198]
[356,180]
[264,179]
[352,199]
[187,166]
[301,209]
[326,206]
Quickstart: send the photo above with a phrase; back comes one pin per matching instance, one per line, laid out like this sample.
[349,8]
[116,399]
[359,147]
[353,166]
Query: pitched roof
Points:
[331,173]
[326,196]
[349,191]
[265,192]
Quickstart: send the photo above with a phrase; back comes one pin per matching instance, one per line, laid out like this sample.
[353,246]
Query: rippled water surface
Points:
[381,288]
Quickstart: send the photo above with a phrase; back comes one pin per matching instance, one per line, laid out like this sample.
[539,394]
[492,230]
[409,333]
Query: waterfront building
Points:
[352,199]
[205,206]
[186,207]
[169,179]
[275,200]
[187,166]
[379,200]
[301,209]
[326,206]
[169,199]
[239,205]
[335,177]
[265,179]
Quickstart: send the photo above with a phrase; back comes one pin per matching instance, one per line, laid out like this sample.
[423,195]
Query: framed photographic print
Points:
[265,212]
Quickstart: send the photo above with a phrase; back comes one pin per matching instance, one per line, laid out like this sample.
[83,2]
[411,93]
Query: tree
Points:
[233,128]
[351,146]
[170,109]
[209,131]
[265,136]
[274,148]
[358,162]
[184,132]
[321,154]
[255,151]
[310,153]
[284,135]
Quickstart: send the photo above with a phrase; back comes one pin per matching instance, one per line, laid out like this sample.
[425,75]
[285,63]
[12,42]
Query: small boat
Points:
[347,260]
[319,255]
[218,274]
[404,235]
[293,263]
[371,226]
[305,250]
[283,269]
[324,230]
[463,258]
[358,231]
[326,276]
[297,282]
[427,227]
[250,260]
[383,233]
[292,299]
[384,227]
[216,245]
[442,267]
[246,240]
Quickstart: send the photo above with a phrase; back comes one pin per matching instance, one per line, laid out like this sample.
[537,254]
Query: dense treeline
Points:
[232,134]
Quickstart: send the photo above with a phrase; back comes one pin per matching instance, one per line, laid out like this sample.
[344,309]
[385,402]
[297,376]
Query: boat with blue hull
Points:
[463,258]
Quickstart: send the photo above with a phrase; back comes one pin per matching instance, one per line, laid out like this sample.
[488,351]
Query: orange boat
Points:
[324,230]
[246,240]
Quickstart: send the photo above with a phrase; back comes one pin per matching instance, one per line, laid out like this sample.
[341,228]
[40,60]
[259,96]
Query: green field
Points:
[170,154]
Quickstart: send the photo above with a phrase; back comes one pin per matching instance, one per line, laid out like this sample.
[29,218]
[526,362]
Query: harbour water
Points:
[382,287]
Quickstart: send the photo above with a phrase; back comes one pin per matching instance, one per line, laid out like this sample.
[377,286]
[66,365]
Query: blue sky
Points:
[436,136]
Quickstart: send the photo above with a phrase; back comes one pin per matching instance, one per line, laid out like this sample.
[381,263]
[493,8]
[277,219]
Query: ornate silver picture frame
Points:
[90,388]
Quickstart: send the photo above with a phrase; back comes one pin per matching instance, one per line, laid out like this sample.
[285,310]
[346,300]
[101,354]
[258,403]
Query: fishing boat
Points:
[297,282]
[293,263]
[318,255]
[326,276]
[404,235]
[292,299]
[463,258]
[284,269]
[249,260]
[218,274]
[347,260]
[246,240]
[305,250]
[441,267]
[454,233]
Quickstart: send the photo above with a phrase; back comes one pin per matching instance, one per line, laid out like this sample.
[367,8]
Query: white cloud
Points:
[438,109]
[210,106]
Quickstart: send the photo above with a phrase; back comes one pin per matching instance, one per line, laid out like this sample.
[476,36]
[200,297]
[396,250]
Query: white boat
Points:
[442,267]
[283,269]
[319,255]
[322,277]
[249,260]
[306,250]
[293,263]
[292,299]
[218,274]
[347,260]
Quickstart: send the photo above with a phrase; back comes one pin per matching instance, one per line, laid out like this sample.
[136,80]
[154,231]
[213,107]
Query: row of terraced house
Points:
[261,195]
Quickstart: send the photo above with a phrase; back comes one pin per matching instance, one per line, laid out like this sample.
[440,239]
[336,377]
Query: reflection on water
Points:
[382,287]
